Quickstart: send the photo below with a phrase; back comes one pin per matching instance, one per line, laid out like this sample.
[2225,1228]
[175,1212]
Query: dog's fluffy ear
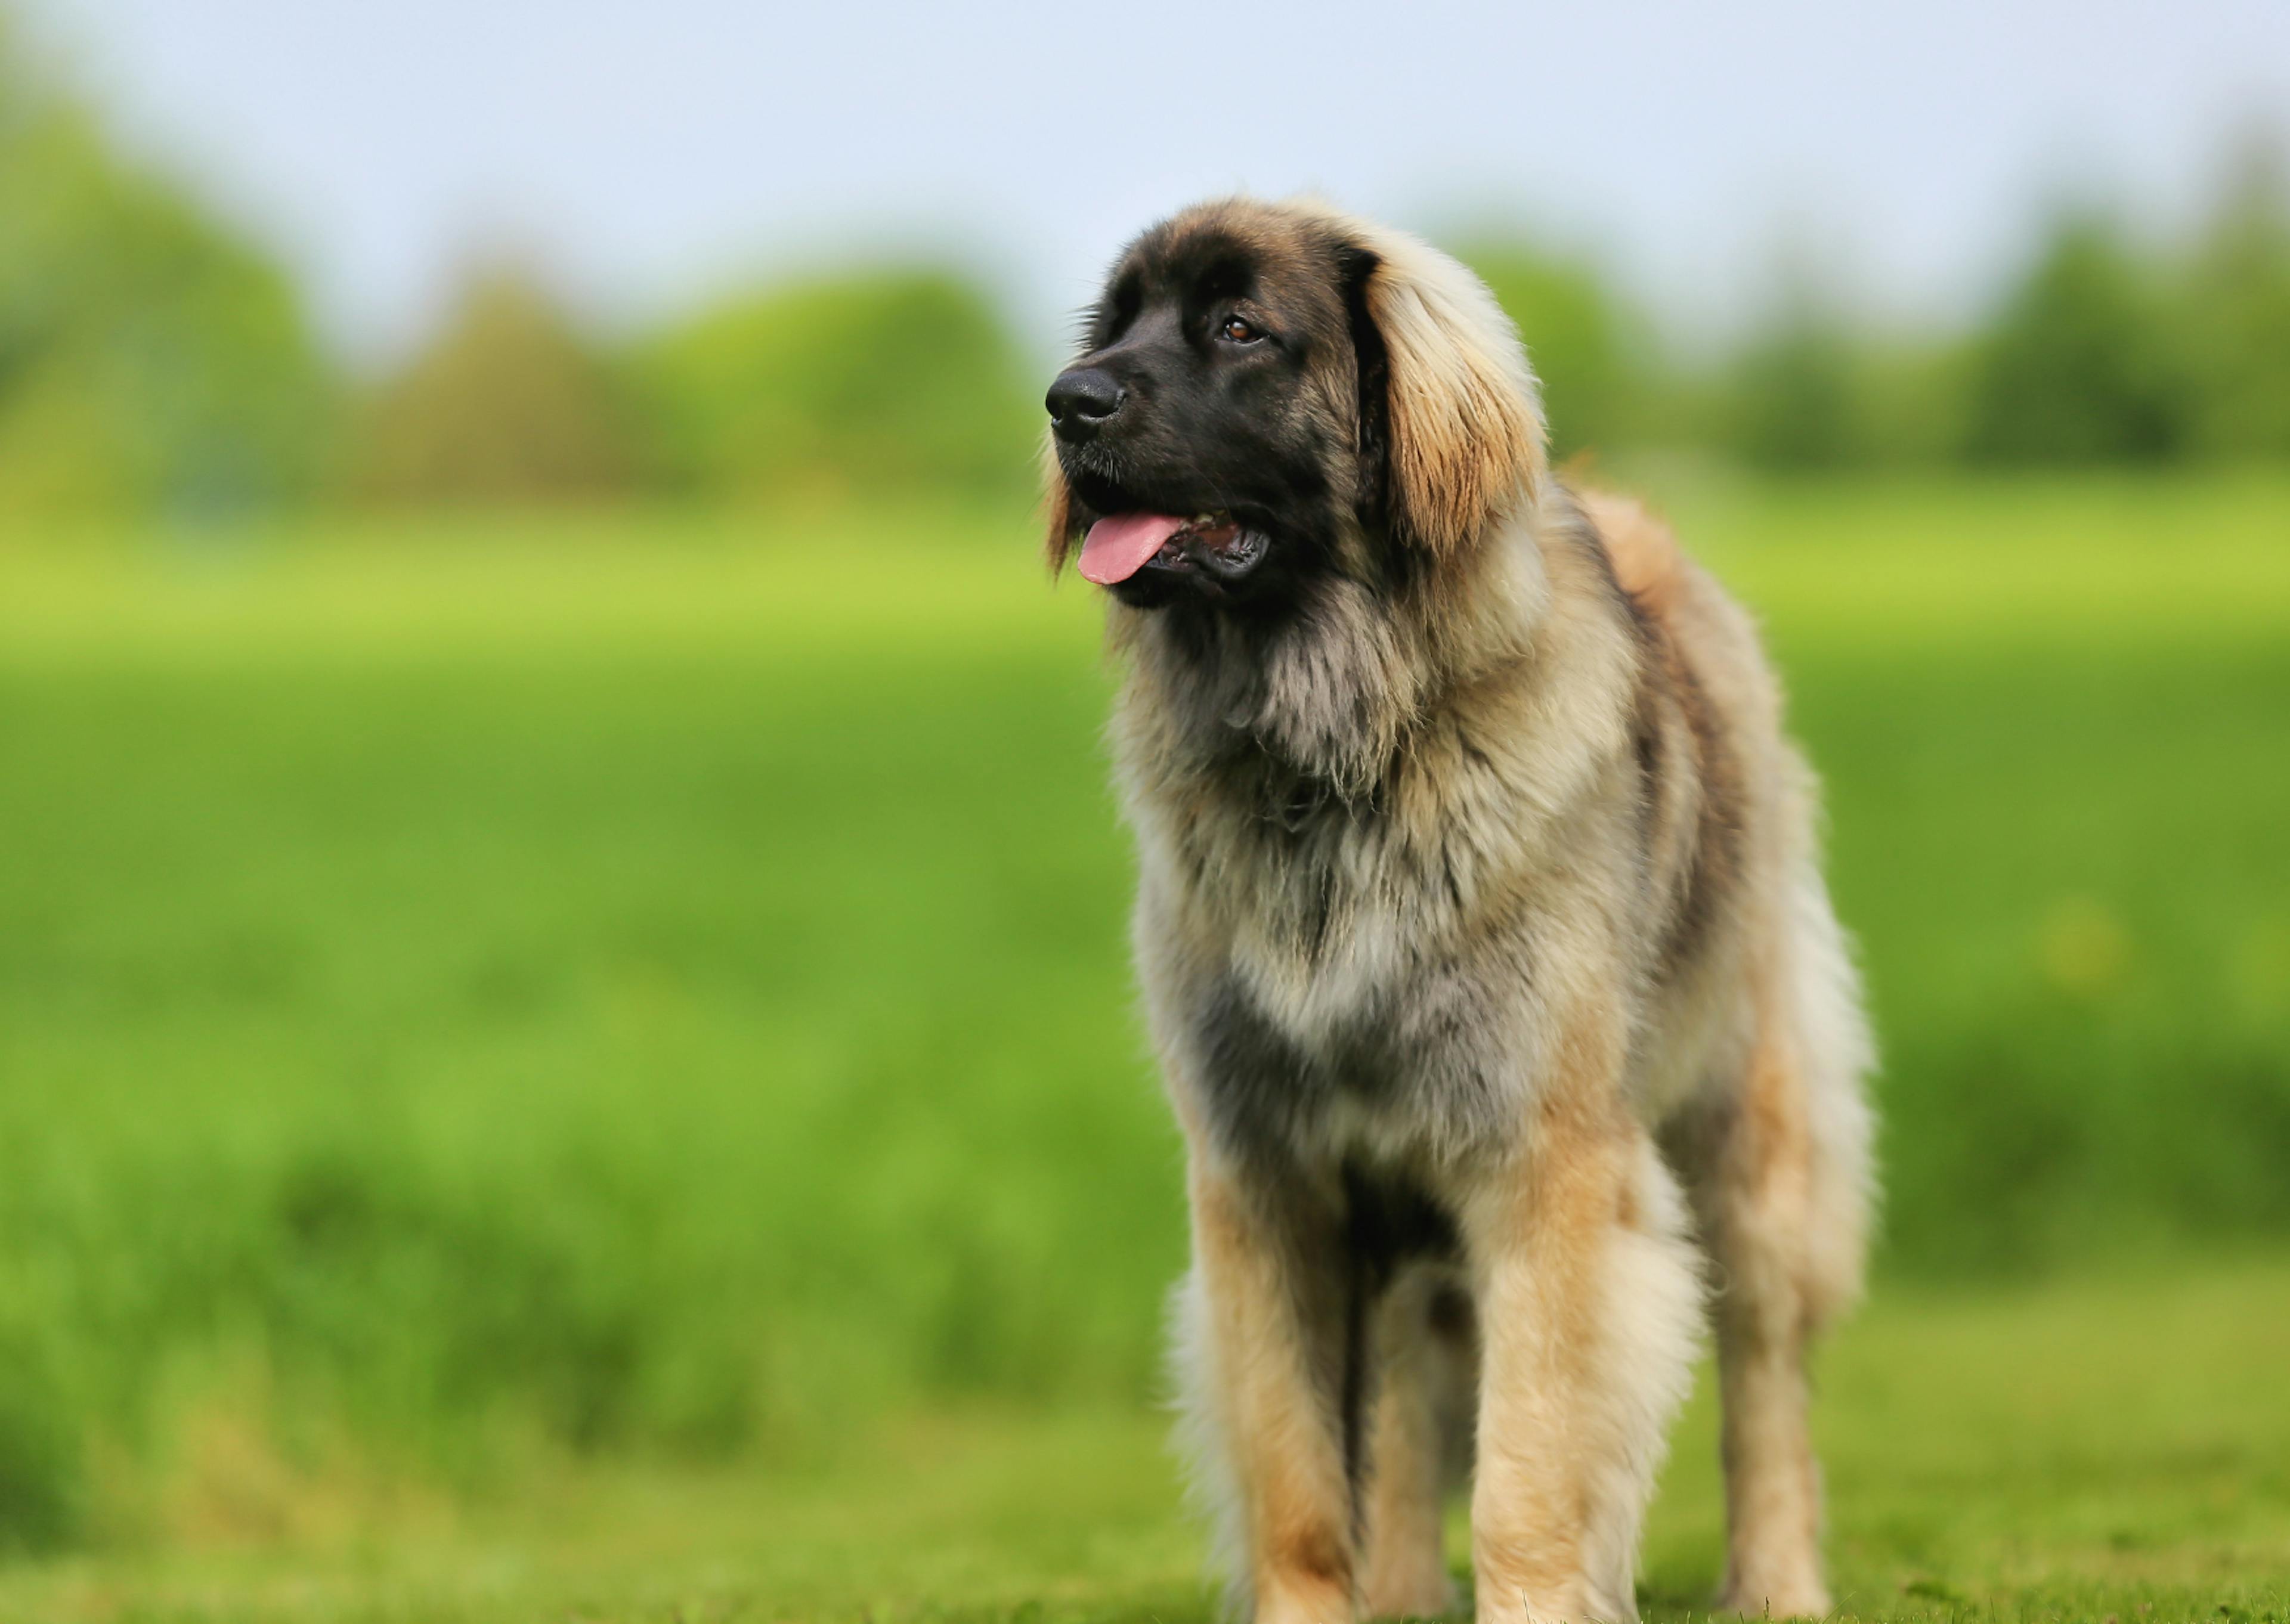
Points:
[1460,424]
[1057,508]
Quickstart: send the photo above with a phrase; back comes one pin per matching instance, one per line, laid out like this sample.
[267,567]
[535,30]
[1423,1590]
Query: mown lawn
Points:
[523,1043]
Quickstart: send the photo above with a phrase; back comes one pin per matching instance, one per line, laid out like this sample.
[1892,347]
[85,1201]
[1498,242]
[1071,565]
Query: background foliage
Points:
[153,360]
[150,359]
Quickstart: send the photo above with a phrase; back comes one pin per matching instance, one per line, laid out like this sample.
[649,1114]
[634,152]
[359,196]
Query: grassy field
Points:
[536,1037]
[2118,1449]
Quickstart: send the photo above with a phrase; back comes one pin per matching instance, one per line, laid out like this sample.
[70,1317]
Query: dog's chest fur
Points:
[1336,999]
[1343,960]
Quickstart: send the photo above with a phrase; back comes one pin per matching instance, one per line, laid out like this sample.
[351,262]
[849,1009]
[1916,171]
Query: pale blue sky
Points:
[651,150]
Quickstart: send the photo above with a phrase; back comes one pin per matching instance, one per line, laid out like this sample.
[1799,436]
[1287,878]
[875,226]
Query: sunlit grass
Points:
[2062,1453]
[521,1041]
[1916,562]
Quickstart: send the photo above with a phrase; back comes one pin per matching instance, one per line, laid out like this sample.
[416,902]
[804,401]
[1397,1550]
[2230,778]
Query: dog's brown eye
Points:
[1239,330]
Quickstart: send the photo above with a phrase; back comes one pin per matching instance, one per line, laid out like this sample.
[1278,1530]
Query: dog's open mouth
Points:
[1118,546]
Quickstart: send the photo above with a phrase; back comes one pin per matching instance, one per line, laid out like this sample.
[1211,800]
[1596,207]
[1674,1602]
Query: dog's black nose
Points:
[1081,401]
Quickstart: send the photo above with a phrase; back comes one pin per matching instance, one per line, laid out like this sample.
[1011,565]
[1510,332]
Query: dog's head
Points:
[1272,393]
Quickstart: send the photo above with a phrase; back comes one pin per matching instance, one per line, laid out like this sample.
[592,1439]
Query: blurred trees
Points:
[1796,395]
[2236,314]
[2099,349]
[2102,349]
[149,356]
[1590,351]
[507,404]
[1813,390]
[2079,366]
[877,380]
[153,360]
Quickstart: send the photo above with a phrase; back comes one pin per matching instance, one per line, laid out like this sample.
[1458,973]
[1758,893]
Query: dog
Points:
[1482,932]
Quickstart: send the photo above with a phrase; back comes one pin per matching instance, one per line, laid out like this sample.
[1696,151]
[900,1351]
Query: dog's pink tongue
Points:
[1118,548]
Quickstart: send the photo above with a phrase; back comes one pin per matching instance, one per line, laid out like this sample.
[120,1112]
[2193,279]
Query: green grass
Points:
[592,1016]
[2113,1449]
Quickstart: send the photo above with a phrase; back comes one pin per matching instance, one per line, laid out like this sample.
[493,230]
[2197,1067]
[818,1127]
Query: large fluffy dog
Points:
[1482,932]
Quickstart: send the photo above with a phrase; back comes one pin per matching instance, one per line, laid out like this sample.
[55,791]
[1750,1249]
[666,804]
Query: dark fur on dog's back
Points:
[1474,864]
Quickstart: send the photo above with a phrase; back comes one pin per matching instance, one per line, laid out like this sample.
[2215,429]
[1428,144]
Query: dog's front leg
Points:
[1589,1315]
[1269,1356]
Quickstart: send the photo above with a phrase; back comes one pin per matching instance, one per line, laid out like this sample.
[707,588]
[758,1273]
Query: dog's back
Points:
[1795,970]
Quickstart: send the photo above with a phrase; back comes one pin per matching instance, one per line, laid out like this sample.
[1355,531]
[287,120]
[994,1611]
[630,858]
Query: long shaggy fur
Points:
[1486,953]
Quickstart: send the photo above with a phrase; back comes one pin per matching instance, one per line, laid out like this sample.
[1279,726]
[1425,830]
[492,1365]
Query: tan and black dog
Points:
[1483,936]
